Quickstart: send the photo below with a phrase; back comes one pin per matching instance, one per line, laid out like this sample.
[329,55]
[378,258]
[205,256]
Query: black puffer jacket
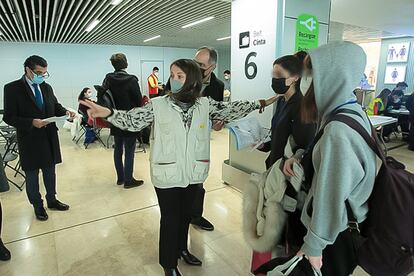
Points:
[126,93]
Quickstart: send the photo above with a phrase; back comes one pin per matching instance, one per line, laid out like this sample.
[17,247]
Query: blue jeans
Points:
[32,185]
[124,169]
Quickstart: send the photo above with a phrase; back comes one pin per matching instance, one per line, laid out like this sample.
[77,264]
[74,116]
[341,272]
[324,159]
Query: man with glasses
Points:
[27,102]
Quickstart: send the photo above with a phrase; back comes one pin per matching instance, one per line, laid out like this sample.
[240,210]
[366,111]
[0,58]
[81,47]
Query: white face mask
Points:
[305,83]
[226,77]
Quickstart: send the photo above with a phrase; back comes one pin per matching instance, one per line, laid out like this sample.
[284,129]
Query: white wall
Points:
[74,66]
[224,61]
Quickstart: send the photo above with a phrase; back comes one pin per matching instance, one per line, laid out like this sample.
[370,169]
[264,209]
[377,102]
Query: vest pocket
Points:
[166,173]
[200,170]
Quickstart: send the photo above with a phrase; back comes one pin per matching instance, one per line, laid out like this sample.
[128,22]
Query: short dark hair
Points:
[34,60]
[119,61]
[402,84]
[191,89]
[82,93]
[155,69]
[212,53]
[227,72]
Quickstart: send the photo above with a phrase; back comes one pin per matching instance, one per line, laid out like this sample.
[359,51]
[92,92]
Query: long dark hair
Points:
[309,110]
[385,93]
[82,94]
[191,89]
[293,64]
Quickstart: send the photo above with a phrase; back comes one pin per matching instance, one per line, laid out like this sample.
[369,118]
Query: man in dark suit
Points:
[27,101]
[127,95]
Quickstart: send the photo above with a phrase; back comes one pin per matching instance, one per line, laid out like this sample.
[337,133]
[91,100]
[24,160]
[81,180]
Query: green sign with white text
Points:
[307,32]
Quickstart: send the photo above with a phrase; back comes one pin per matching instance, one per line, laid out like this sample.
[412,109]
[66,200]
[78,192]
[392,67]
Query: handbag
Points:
[288,266]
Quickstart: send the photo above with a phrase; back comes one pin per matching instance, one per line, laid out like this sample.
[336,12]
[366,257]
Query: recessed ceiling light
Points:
[115,2]
[92,25]
[223,38]
[152,38]
[198,22]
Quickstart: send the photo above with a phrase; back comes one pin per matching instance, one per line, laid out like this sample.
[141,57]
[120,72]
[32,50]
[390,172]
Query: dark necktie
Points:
[38,96]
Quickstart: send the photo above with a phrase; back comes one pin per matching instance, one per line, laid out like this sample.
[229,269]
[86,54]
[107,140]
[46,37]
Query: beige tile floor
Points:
[112,231]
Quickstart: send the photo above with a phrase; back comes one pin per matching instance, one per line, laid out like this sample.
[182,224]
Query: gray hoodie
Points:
[345,166]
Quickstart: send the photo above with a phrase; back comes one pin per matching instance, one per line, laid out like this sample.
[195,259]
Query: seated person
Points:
[377,106]
[90,136]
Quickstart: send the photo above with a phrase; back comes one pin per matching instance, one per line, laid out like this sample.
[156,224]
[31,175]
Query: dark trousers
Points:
[32,185]
[198,205]
[175,206]
[124,169]
[339,259]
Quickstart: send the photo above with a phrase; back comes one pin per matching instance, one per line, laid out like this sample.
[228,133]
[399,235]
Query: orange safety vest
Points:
[153,84]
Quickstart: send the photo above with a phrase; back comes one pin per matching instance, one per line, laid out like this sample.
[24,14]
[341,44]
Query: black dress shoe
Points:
[120,182]
[190,258]
[4,252]
[203,224]
[172,272]
[411,148]
[133,183]
[40,213]
[57,205]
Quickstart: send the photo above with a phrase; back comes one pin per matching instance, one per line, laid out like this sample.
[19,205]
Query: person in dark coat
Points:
[127,95]
[409,104]
[27,101]
[286,122]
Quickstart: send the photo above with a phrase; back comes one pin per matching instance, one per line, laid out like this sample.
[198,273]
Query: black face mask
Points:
[279,85]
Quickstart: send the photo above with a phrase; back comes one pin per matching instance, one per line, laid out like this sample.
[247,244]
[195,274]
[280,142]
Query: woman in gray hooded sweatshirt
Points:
[344,165]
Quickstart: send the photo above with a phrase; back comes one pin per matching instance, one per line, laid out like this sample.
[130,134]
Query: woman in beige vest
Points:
[180,150]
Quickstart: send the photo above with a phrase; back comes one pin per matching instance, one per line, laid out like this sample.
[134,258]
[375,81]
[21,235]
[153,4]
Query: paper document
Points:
[248,133]
[55,119]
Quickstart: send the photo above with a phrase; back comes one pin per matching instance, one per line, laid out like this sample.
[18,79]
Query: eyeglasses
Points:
[45,75]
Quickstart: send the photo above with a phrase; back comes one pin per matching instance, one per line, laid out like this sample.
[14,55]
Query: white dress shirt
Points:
[32,88]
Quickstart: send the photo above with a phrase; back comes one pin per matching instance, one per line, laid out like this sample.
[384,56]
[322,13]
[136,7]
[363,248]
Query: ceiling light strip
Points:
[152,38]
[93,13]
[132,30]
[223,38]
[83,22]
[75,22]
[109,30]
[103,14]
[198,22]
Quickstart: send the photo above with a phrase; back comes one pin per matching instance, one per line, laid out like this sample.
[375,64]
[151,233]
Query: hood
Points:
[119,76]
[336,69]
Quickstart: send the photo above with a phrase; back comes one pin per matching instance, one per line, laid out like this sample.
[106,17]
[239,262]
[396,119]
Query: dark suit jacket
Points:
[215,89]
[38,148]
[126,93]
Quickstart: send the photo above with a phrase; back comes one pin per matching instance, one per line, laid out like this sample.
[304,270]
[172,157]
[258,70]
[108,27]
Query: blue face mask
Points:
[176,86]
[38,79]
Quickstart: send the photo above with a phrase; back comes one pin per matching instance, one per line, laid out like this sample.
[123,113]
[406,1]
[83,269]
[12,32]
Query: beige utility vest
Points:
[180,155]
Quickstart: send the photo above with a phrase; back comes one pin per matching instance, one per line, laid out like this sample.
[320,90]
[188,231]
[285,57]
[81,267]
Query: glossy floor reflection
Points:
[113,231]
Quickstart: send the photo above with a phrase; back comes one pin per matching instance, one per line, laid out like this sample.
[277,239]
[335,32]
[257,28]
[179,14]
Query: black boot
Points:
[172,272]
[190,258]
[4,252]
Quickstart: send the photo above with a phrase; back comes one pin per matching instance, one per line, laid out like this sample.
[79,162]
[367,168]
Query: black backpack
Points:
[388,246]
[105,97]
